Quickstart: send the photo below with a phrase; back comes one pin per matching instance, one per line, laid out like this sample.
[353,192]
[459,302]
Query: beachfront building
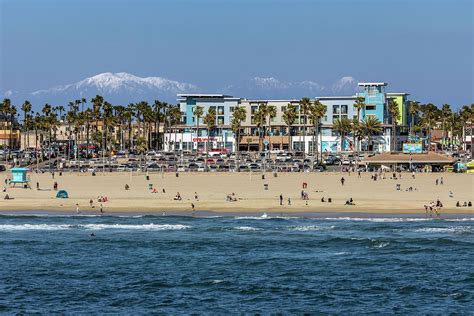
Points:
[192,133]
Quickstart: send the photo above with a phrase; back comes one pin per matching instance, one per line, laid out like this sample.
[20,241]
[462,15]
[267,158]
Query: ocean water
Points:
[171,264]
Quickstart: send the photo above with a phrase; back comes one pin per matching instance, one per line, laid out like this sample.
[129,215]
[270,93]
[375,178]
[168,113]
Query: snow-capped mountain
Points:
[118,88]
[347,85]
[123,88]
[273,88]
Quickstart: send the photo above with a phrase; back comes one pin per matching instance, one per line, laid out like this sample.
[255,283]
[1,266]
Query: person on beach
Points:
[177,197]
[77,208]
[329,200]
[55,186]
[196,196]
[436,181]
[91,203]
[342,181]
[192,206]
[441,181]
[127,187]
[101,209]
[52,174]
[322,199]
[289,201]
[37,185]
[281,199]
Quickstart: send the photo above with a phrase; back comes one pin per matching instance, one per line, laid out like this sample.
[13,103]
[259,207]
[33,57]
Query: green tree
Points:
[239,115]
[316,112]
[289,117]
[305,105]
[342,126]
[394,111]
[26,108]
[414,109]
[210,121]
[198,112]
[370,126]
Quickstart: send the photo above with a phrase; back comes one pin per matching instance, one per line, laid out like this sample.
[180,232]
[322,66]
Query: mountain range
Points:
[123,88]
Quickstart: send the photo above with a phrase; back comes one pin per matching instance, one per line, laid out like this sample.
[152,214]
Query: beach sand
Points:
[212,188]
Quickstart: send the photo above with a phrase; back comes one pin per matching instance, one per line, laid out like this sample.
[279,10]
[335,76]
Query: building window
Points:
[370,107]
[220,110]
[335,109]
[283,108]
[253,109]
[231,109]
[220,120]
[344,109]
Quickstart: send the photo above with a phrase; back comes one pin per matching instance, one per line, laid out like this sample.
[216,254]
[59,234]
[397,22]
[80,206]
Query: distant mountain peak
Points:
[111,83]
[346,84]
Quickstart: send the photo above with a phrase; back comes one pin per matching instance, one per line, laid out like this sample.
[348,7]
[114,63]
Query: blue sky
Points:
[423,47]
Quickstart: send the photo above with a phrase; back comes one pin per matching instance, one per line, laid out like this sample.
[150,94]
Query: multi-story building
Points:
[187,135]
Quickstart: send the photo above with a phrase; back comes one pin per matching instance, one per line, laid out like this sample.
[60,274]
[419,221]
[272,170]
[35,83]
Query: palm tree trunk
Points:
[290,147]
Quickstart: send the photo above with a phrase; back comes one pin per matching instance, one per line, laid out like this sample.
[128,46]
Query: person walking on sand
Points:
[101,209]
[196,196]
[289,201]
[281,199]
[77,208]
[441,181]
[342,181]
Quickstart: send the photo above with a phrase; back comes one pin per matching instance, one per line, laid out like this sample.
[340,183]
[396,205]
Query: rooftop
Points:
[366,84]
[203,95]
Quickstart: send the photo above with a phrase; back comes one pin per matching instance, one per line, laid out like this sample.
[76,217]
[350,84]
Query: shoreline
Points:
[251,215]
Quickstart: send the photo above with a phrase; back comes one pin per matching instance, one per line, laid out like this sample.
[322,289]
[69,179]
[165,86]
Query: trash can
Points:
[263,177]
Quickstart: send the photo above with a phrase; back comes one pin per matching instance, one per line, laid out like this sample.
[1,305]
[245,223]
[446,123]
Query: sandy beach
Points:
[212,189]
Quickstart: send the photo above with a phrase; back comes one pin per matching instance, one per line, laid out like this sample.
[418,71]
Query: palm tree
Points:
[414,108]
[289,117]
[466,116]
[260,122]
[210,121]
[239,115]
[356,133]
[305,105]
[429,117]
[316,112]
[198,112]
[359,104]
[26,108]
[175,118]
[128,116]
[342,126]
[395,114]
[446,113]
[271,112]
[370,126]
[158,107]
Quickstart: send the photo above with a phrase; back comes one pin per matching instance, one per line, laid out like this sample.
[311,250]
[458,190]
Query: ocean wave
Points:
[310,228]
[377,219]
[265,216]
[12,227]
[451,229]
[246,228]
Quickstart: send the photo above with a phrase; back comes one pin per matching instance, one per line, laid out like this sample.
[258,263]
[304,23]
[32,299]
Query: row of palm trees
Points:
[95,124]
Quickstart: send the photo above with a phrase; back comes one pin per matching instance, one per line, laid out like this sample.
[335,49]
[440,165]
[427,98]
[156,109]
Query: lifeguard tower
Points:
[19,175]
